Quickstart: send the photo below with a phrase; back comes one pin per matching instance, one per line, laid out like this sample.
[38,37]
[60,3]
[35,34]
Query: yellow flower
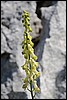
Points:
[24,66]
[31,78]
[29,37]
[27,72]
[30,65]
[30,42]
[37,74]
[31,50]
[26,80]
[34,62]
[33,68]
[24,86]
[28,18]
[36,88]
[34,56]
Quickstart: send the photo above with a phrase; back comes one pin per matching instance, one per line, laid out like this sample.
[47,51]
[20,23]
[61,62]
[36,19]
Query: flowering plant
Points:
[30,65]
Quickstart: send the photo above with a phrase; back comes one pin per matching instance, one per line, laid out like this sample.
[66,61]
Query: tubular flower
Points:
[30,65]
[36,88]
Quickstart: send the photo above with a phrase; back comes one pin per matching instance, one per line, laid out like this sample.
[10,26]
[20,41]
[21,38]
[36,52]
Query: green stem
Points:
[31,90]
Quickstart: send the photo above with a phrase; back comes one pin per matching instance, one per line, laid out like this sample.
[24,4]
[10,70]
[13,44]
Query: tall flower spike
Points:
[30,65]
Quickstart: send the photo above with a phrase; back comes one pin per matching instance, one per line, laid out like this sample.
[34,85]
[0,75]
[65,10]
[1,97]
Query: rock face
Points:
[11,37]
[51,49]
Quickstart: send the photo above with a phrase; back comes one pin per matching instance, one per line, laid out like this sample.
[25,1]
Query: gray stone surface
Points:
[11,38]
[51,49]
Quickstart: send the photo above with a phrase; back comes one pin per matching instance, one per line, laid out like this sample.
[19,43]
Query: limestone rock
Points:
[11,51]
[51,51]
